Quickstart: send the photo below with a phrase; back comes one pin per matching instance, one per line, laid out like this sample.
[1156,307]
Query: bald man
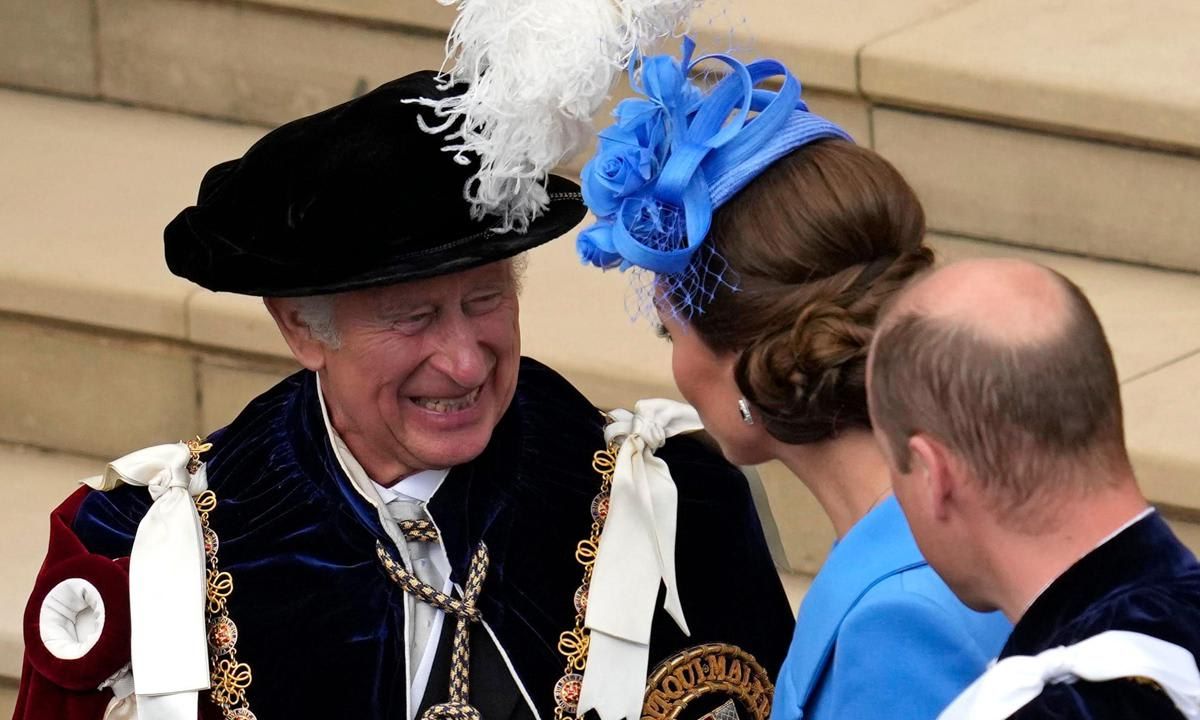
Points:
[994,395]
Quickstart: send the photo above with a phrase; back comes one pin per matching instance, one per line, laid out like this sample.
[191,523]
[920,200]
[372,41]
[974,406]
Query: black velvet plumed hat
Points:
[352,197]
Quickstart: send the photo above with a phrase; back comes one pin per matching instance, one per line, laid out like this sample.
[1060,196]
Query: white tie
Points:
[1015,681]
[636,555]
[169,642]
[420,554]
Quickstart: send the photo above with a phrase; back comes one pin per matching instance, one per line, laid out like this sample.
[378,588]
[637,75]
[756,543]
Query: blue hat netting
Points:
[675,155]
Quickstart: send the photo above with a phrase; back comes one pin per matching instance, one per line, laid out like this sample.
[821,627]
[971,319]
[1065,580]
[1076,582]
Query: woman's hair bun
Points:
[818,243]
[802,377]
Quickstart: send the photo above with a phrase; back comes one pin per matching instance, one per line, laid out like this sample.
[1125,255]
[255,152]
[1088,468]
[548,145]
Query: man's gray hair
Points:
[317,312]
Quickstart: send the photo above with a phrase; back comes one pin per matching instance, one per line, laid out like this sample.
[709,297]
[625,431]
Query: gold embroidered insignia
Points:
[709,682]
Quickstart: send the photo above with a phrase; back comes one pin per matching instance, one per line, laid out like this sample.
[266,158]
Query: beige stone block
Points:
[819,40]
[8,696]
[582,322]
[1151,317]
[87,190]
[1162,412]
[804,530]
[35,482]
[796,586]
[1030,188]
[1188,531]
[235,322]
[1115,67]
[851,112]
[91,394]
[48,44]
[228,384]
[245,61]
[418,13]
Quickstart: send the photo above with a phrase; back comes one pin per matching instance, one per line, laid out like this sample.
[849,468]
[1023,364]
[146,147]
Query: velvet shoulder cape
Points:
[1143,580]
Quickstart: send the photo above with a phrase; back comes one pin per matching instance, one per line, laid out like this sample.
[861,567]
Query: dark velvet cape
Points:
[322,626]
[1143,580]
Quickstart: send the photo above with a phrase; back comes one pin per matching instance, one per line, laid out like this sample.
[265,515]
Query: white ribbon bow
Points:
[1015,681]
[167,589]
[636,553]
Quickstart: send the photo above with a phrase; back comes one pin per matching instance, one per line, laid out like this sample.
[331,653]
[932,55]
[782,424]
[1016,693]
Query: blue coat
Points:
[879,635]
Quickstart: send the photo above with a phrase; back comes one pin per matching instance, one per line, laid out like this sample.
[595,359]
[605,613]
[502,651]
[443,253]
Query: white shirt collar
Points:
[419,487]
[1127,524]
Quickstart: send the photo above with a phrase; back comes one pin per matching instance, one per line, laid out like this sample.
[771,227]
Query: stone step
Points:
[1067,126]
[106,352]
[8,697]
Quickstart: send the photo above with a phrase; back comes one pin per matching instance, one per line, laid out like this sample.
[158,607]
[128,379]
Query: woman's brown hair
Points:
[814,247]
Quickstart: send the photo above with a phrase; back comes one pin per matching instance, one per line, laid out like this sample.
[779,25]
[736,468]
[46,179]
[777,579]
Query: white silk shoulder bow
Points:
[167,589]
[636,554]
[1015,681]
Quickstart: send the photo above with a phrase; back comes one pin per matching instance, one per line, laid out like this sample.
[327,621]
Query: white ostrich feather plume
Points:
[536,72]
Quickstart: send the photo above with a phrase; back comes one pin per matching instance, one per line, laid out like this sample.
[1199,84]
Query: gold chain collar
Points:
[229,677]
[232,678]
[573,644]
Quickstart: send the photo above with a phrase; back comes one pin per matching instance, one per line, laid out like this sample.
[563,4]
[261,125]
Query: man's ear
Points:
[937,471]
[307,350]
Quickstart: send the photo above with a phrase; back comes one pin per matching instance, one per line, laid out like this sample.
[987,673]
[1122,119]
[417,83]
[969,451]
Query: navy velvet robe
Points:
[1143,580]
[322,626]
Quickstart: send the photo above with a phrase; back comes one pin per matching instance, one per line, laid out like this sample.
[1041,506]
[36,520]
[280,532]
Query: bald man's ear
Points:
[307,350]
[938,472]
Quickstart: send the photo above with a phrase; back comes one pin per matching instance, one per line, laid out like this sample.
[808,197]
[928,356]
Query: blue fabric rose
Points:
[595,246]
[620,168]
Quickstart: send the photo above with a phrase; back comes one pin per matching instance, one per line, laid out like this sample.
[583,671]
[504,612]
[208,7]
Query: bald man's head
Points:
[1012,302]
[1003,362]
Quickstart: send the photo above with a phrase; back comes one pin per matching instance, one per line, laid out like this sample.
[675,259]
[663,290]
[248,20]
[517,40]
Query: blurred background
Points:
[1064,131]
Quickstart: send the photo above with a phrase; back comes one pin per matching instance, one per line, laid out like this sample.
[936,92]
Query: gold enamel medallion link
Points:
[573,644]
[229,677]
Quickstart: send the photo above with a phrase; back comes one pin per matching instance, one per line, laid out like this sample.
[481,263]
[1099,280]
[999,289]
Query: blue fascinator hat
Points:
[676,153]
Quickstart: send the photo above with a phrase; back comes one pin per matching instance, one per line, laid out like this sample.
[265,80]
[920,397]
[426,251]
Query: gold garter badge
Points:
[709,682]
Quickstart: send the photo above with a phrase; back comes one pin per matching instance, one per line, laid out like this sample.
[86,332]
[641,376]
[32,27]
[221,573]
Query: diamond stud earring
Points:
[744,409]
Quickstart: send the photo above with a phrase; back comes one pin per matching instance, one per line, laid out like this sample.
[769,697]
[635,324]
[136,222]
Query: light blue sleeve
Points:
[904,656]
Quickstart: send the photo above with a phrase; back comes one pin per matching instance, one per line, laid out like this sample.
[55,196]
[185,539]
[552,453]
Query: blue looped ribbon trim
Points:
[676,154]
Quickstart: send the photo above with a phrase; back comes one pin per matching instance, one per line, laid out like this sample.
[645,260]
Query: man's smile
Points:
[449,404]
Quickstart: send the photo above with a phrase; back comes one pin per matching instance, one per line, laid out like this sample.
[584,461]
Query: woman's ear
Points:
[308,351]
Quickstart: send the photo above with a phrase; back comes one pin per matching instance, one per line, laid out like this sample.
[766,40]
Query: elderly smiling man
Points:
[410,524]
